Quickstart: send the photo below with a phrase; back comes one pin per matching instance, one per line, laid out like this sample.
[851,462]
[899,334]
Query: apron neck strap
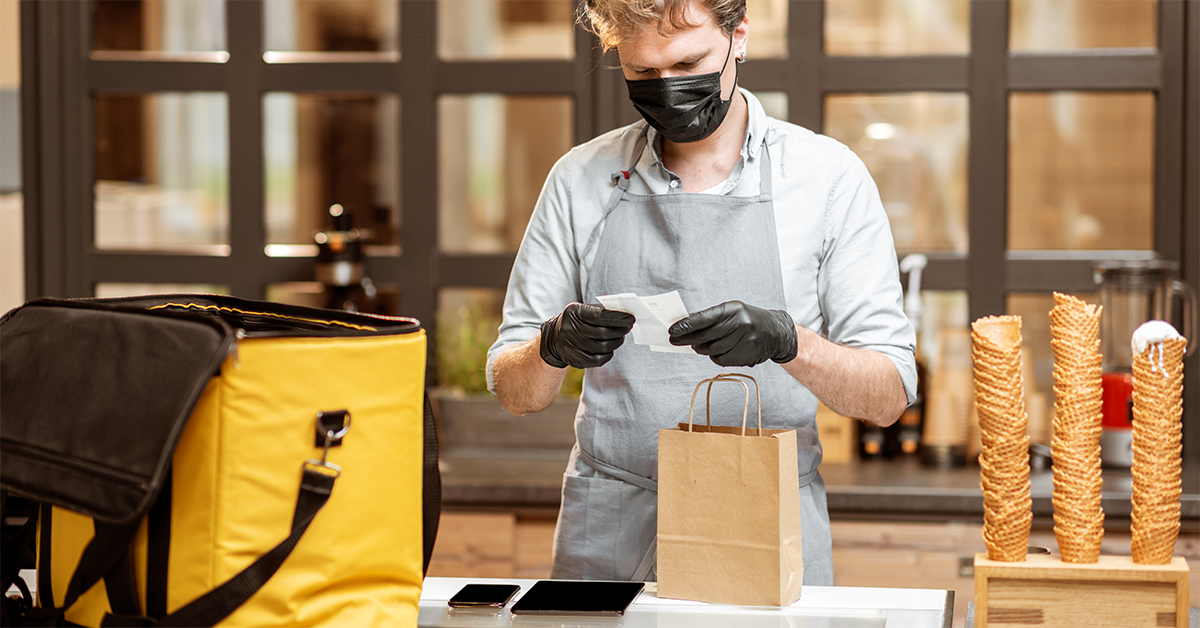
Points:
[621,178]
[764,170]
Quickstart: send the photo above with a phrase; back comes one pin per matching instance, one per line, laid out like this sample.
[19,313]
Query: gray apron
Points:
[712,248]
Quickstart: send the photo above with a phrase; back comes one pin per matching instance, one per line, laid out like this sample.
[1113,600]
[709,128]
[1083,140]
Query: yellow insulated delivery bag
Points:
[201,460]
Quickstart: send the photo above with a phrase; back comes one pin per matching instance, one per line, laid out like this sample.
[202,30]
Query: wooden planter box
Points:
[1115,592]
[478,420]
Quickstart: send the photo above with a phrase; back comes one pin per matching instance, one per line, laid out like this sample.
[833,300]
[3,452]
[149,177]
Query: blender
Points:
[1132,292]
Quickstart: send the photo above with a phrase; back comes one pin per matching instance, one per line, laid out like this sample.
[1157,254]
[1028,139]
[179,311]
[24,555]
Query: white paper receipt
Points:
[654,314]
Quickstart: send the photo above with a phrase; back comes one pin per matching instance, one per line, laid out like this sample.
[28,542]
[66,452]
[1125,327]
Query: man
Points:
[777,242]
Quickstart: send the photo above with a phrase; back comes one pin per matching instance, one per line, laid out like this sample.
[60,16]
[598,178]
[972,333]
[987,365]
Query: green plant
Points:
[572,385]
[463,340]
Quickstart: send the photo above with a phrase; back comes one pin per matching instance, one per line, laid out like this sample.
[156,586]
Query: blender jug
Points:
[1131,294]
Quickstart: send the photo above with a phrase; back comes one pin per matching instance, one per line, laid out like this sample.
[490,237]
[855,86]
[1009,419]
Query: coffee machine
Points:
[1132,292]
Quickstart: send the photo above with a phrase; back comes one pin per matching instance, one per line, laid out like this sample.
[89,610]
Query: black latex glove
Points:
[584,336]
[736,334]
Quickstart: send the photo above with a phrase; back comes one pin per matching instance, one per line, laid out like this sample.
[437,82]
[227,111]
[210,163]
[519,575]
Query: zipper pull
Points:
[239,335]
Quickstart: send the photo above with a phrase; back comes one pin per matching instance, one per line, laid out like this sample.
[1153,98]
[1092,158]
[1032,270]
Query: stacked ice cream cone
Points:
[1157,408]
[1004,454]
[1075,340]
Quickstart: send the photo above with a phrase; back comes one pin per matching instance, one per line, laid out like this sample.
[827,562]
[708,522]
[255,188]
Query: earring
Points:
[741,58]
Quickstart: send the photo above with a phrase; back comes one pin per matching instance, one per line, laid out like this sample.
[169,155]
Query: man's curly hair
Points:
[615,21]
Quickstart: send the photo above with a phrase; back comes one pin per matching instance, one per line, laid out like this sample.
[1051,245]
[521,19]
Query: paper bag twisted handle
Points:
[727,377]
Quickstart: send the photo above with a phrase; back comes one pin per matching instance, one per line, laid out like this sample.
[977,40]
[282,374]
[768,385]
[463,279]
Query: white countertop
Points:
[822,607]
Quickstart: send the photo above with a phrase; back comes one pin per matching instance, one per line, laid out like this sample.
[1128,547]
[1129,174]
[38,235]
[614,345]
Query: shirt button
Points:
[674,183]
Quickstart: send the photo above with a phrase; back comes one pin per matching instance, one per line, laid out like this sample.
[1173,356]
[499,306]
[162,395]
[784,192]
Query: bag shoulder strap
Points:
[216,605]
[431,486]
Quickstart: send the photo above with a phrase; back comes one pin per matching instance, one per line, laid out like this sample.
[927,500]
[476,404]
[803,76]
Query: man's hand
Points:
[583,336]
[736,334]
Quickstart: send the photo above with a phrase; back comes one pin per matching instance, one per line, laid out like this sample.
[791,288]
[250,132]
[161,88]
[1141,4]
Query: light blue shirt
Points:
[838,260]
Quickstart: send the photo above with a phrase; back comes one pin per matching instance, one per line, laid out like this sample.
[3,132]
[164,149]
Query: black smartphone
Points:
[484,596]
[578,597]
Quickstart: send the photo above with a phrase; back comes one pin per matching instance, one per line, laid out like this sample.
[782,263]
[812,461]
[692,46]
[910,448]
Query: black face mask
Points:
[683,108]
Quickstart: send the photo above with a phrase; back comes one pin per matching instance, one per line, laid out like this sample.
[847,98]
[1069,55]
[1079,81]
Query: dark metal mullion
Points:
[40,183]
[1191,215]
[491,270]
[330,77]
[247,229]
[1169,163]
[418,154]
[524,77]
[987,161]
[475,270]
[944,271]
[764,75]
[389,270]
[895,74]
[1168,140]
[806,55]
[154,76]
[583,105]
[1085,71]
[139,267]
[1075,274]
[77,122]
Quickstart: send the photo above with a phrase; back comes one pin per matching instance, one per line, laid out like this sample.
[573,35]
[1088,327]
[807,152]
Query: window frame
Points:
[57,151]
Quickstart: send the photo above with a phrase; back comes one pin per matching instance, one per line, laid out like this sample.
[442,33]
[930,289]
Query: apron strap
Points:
[620,181]
[807,478]
[617,472]
[649,561]
[650,558]
[764,172]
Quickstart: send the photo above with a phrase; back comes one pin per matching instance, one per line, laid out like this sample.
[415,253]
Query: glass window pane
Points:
[494,153]
[12,250]
[768,29]
[322,149]
[1068,24]
[506,29]
[162,172]
[944,347]
[915,146]
[1034,310]
[331,26]
[113,290]
[1081,171]
[158,25]
[468,322]
[383,299]
[897,27]
[774,103]
[302,293]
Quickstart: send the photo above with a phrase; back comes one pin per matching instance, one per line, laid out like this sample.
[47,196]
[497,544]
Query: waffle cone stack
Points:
[1075,340]
[1157,408]
[1004,453]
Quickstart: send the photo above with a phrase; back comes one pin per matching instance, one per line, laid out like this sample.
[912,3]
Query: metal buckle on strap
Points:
[331,427]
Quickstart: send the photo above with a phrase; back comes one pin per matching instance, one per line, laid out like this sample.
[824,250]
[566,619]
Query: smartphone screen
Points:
[578,597]
[484,595]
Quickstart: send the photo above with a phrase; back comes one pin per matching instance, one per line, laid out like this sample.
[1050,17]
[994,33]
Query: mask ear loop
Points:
[729,53]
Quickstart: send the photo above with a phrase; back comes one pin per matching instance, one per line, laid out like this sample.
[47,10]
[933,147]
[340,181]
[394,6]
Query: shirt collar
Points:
[755,131]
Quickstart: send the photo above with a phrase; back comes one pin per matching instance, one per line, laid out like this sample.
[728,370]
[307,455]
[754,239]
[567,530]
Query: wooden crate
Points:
[838,438]
[1115,592]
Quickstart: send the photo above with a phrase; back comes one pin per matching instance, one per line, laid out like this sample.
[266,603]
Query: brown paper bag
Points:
[728,511]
